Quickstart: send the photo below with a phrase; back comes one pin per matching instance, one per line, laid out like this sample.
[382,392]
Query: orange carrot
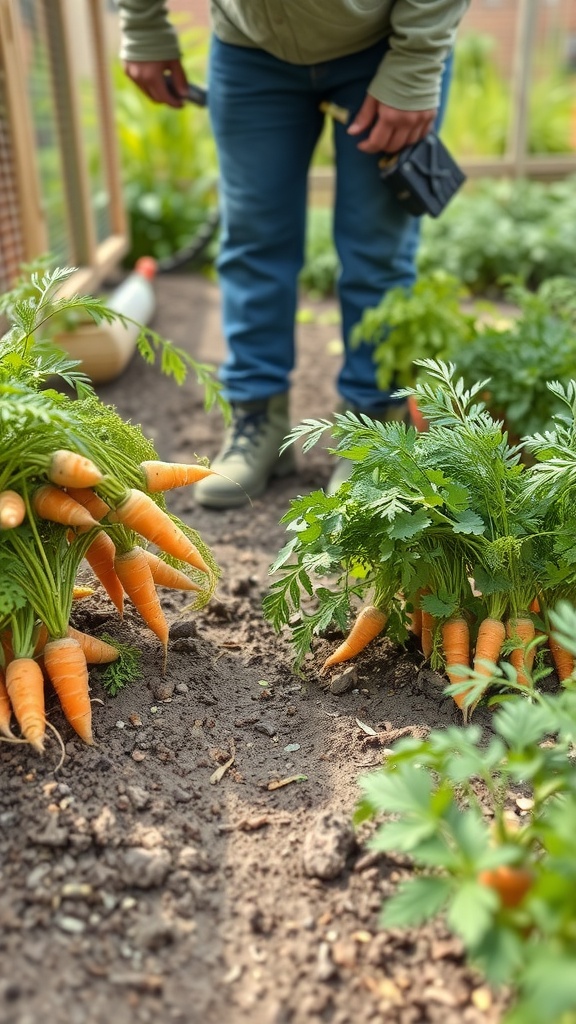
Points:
[491,635]
[563,660]
[511,883]
[41,639]
[5,707]
[165,575]
[25,687]
[163,476]
[6,644]
[96,651]
[369,622]
[12,510]
[51,503]
[522,628]
[535,606]
[90,500]
[69,469]
[100,557]
[136,577]
[416,418]
[67,670]
[456,644]
[427,633]
[140,513]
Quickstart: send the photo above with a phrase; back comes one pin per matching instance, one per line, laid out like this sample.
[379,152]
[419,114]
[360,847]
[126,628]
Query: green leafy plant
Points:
[427,321]
[542,338]
[480,106]
[490,231]
[504,228]
[504,881]
[168,162]
[443,535]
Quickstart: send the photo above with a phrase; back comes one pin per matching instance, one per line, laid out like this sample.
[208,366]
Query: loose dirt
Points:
[162,875]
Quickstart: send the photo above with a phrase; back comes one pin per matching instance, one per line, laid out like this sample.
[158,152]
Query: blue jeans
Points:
[266,121]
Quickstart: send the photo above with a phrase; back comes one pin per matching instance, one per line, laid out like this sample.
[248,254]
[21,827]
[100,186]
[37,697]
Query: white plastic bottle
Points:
[106,349]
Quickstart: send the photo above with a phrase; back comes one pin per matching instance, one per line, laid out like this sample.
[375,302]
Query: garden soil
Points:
[198,864]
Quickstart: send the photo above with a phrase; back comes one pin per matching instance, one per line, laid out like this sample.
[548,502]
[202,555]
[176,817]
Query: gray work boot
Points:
[343,468]
[249,455]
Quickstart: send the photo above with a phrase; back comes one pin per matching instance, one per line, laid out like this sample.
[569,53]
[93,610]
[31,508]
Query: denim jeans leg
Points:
[266,123]
[377,241]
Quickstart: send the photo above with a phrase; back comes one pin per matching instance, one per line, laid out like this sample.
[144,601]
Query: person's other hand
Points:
[150,77]
[390,129]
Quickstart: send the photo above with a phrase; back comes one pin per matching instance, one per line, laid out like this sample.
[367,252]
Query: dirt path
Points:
[135,884]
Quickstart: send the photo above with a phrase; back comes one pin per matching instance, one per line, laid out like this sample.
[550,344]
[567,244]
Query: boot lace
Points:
[245,431]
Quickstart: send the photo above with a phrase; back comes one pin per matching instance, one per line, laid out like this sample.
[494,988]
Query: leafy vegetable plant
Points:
[503,879]
[446,534]
[429,321]
[78,482]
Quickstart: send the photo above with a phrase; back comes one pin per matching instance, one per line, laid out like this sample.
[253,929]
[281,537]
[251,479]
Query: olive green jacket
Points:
[421,34]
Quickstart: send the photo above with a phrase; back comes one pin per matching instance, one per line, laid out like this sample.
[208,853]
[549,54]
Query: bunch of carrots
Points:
[446,535]
[77,484]
[79,513]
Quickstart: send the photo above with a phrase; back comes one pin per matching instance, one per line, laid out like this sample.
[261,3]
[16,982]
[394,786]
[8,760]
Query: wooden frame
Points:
[94,259]
[34,237]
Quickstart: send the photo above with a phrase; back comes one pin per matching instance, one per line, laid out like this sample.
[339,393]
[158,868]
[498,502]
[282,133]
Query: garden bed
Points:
[140,883]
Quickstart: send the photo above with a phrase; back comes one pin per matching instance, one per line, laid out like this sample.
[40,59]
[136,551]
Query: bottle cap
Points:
[147,266]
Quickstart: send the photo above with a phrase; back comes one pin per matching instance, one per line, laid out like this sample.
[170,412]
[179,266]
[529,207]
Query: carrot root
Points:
[456,644]
[491,636]
[5,707]
[69,469]
[67,670]
[563,660]
[90,500]
[140,513]
[25,688]
[416,417]
[49,502]
[522,628]
[12,510]
[369,622]
[135,576]
[511,883]
[100,557]
[165,575]
[96,651]
[427,633]
[163,476]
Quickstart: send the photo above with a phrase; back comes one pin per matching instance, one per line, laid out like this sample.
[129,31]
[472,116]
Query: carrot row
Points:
[456,646]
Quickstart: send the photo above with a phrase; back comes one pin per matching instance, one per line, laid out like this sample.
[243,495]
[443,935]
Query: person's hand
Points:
[390,129]
[150,77]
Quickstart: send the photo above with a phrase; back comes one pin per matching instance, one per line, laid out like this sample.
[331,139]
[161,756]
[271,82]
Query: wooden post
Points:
[517,149]
[107,122]
[82,235]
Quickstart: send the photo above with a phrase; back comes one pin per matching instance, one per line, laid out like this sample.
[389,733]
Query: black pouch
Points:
[423,177]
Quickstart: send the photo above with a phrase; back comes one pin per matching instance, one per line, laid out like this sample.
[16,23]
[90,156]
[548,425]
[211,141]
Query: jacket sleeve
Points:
[423,35]
[146,32]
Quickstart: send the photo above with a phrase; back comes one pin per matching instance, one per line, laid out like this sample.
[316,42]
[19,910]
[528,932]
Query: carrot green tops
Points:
[421,33]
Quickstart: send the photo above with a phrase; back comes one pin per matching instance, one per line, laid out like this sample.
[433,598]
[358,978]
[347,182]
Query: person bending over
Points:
[272,64]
